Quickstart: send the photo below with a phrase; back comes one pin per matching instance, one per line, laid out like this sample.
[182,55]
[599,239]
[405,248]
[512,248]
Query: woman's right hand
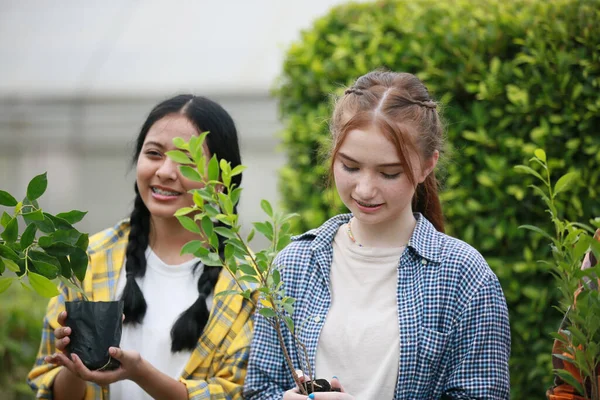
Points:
[294,394]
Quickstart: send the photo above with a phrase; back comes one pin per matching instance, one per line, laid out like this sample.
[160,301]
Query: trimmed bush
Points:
[513,76]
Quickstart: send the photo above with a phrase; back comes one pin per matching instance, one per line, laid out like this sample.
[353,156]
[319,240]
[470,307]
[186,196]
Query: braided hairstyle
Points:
[205,115]
[400,106]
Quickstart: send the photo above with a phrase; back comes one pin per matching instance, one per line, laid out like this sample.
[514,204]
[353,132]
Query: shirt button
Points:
[424,261]
[317,319]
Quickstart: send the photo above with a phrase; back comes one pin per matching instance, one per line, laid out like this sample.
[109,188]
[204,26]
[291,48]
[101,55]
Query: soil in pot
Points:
[320,385]
[95,326]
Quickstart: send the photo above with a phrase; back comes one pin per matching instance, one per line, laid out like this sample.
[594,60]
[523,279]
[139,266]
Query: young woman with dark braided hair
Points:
[178,342]
[387,302]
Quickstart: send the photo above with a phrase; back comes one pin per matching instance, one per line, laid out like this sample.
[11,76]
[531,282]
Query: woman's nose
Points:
[168,170]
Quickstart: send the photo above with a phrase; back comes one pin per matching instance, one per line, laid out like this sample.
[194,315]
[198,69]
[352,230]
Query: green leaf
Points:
[227,293]
[83,242]
[265,228]
[180,143]
[189,224]
[65,267]
[527,170]
[58,222]
[5,219]
[184,211]
[37,186]
[267,312]
[570,379]
[238,170]
[207,226]
[190,173]
[289,323]
[5,282]
[46,226]
[7,200]
[213,168]
[179,157]
[28,236]
[79,263]
[73,216]
[565,182]
[266,206]
[11,265]
[250,235]
[42,285]
[210,260]
[225,232]
[8,253]
[537,230]
[48,270]
[2,267]
[288,308]
[11,231]
[235,195]
[247,269]
[69,284]
[541,154]
[276,277]
[192,247]
[36,215]
[248,278]
[36,255]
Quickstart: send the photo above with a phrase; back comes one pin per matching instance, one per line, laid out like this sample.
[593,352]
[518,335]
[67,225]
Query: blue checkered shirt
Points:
[454,330]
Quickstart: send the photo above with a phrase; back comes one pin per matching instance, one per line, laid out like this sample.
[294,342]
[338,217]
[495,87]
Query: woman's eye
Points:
[349,169]
[391,176]
[152,153]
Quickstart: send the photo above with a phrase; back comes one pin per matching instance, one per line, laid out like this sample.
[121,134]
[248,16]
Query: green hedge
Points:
[514,76]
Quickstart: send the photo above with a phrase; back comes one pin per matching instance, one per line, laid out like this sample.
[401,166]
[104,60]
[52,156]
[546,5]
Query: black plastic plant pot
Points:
[95,326]
[320,385]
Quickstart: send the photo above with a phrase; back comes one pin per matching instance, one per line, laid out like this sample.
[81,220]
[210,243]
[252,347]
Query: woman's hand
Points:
[294,394]
[131,361]
[61,335]
[131,367]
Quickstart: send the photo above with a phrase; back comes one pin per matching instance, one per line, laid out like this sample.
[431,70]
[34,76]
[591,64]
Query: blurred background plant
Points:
[578,337]
[21,315]
[512,76]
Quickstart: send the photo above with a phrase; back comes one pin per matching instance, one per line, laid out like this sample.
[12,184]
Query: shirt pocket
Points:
[430,374]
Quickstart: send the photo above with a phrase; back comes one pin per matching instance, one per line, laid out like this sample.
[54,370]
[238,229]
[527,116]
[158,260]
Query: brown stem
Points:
[277,327]
[306,360]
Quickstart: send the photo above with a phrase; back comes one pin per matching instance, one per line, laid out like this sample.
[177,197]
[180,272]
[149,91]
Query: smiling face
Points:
[162,187]
[371,180]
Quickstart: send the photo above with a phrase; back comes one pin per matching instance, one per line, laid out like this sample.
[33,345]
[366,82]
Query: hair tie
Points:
[355,91]
[129,274]
[430,104]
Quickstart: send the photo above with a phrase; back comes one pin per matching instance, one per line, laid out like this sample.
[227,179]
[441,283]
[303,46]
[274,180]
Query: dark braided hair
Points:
[205,115]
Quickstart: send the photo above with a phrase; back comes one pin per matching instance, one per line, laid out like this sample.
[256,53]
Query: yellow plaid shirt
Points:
[217,366]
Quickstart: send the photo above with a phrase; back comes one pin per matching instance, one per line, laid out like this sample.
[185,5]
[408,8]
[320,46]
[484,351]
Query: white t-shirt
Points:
[360,340]
[168,290]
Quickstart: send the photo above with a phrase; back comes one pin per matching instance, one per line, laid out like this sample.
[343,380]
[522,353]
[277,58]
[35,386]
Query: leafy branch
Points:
[49,248]
[212,215]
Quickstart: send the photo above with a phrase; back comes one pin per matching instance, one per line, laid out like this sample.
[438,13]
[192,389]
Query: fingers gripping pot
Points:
[95,327]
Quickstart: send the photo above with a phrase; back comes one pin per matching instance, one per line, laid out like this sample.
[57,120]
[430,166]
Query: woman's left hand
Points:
[131,366]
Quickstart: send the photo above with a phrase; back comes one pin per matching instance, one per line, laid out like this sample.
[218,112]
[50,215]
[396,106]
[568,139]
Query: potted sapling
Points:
[39,250]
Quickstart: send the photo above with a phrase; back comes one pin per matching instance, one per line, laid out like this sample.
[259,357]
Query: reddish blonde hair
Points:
[399,106]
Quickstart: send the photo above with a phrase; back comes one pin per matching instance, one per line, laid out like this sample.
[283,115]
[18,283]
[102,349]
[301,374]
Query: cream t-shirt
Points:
[360,340]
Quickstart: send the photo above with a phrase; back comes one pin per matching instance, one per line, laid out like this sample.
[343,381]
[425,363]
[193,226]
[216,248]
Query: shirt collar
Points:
[425,240]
